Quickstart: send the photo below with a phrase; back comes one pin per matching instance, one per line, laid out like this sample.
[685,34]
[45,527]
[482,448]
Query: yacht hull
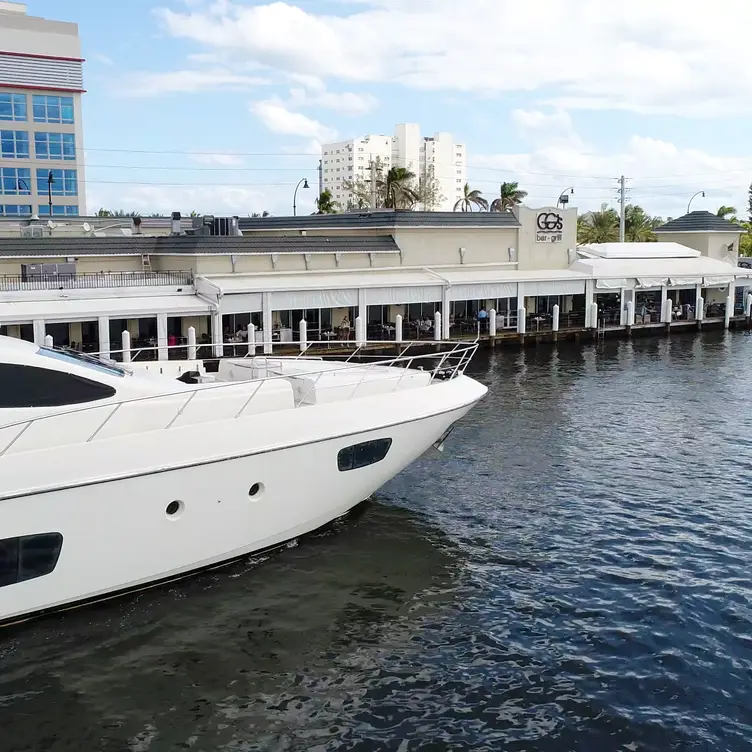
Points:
[118,534]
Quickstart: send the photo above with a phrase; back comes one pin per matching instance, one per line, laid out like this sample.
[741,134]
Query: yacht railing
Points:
[446,361]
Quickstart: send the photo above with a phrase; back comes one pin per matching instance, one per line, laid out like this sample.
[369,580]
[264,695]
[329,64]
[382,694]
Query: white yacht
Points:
[116,477]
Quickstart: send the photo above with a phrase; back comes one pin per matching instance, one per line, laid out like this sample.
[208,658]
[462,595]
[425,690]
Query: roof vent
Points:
[175,228]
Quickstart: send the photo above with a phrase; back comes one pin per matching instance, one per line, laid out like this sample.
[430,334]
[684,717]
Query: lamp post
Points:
[699,193]
[50,181]
[564,198]
[304,183]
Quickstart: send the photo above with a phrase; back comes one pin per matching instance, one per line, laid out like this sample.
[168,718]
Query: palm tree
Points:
[398,189]
[639,225]
[598,227]
[325,204]
[510,196]
[727,212]
[469,199]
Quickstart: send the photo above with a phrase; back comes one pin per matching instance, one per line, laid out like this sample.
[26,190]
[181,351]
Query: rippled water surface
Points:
[572,574]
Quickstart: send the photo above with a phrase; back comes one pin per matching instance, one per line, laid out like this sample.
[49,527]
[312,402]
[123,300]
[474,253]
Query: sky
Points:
[220,106]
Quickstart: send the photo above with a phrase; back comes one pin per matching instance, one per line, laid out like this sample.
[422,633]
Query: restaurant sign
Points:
[548,227]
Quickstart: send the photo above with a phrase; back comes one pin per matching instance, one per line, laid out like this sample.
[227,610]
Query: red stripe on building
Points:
[42,88]
[43,57]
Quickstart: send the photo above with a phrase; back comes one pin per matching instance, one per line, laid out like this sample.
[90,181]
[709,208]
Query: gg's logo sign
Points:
[550,222]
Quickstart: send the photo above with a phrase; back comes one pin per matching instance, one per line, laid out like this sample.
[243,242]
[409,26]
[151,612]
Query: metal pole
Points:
[699,193]
[50,181]
[622,207]
[373,184]
[295,196]
[321,176]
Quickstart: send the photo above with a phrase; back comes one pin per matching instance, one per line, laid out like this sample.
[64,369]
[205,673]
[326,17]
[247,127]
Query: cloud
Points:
[221,160]
[278,118]
[643,56]
[662,176]
[144,84]
[103,59]
[346,102]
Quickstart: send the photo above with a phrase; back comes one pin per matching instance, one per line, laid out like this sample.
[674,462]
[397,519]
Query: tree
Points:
[399,190]
[116,213]
[727,212]
[470,198]
[325,205]
[429,190]
[598,227]
[749,204]
[639,226]
[510,195]
[264,213]
[745,241]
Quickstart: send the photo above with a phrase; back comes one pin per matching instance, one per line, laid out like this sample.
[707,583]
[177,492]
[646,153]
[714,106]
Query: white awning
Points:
[611,284]
[290,300]
[684,281]
[399,295]
[90,309]
[554,287]
[483,291]
[246,302]
[718,281]
[651,282]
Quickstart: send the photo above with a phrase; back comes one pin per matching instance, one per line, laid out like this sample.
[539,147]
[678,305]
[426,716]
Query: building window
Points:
[13,107]
[48,109]
[28,557]
[362,455]
[15,181]
[58,211]
[64,182]
[30,386]
[15,210]
[15,144]
[55,145]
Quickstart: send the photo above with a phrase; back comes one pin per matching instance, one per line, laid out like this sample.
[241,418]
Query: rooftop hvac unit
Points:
[32,231]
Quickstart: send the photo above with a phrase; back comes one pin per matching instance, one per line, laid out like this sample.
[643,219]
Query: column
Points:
[362,314]
[266,321]
[698,296]
[163,352]
[216,325]
[664,298]
[40,331]
[589,300]
[103,323]
[622,306]
[446,307]
[520,304]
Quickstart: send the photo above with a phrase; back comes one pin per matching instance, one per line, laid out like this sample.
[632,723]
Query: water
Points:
[572,574]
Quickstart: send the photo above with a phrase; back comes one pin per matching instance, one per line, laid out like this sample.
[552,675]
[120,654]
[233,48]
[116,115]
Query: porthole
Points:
[174,509]
[256,490]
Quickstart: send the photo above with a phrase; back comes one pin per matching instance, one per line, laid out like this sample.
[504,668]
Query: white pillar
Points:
[359,338]
[729,309]
[303,335]
[446,307]
[589,294]
[748,305]
[125,344]
[623,306]
[666,313]
[630,313]
[437,326]
[48,342]
[398,328]
[664,298]
[104,336]
[593,315]
[492,322]
[191,343]
[700,308]
[162,351]
[39,331]
[732,295]
[362,313]
[698,295]
[217,334]
[266,322]
[555,323]
[251,339]
[521,320]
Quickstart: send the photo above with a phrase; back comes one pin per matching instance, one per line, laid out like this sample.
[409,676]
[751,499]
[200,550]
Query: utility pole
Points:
[622,206]
[373,184]
[321,176]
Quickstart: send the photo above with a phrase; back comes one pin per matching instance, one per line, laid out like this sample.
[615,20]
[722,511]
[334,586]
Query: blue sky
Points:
[549,94]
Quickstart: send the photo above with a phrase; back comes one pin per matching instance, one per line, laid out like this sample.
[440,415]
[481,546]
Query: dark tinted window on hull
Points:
[28,557]
[362,455]
[29,386]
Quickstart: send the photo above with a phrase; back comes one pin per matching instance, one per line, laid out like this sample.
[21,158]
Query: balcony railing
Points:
[94,280]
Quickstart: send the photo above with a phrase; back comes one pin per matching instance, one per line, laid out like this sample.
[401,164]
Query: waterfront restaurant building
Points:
[84,283]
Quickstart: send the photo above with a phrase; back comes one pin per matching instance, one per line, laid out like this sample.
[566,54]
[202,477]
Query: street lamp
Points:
[304,182]
[699,193]
[564,198]
[50,181]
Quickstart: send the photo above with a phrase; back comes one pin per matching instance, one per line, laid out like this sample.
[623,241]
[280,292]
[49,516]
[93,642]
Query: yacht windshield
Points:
[82,359]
